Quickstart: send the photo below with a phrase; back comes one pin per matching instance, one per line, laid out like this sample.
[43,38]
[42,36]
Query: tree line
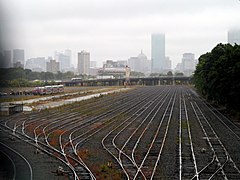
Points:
[19,77]
[217,75]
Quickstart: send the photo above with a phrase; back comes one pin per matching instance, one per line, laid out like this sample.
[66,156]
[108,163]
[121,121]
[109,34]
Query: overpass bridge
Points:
[145,81]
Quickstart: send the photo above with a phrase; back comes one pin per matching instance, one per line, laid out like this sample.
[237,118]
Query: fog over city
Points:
[116,29]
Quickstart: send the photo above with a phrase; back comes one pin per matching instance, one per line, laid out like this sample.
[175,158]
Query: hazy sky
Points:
[117,29]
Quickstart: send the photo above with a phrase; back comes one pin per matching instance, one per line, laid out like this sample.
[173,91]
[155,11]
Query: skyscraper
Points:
[234,36]
[188,64]
[7,58]
[64,58]
[83,62]
[158,53]
[18,57]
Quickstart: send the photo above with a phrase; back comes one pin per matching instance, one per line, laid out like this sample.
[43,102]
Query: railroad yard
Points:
[148,132]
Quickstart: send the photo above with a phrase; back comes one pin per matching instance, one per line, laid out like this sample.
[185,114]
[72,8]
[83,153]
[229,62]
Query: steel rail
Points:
[184,118]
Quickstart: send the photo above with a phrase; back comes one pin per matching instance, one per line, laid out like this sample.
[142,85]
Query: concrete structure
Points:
[188,64]
[37,64]
[83,62]
[53,66]
[158,53]
[9,109]
[148,81]
[18,57]
[234,36]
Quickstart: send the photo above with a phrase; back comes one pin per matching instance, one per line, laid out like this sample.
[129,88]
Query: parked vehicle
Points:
[48,90]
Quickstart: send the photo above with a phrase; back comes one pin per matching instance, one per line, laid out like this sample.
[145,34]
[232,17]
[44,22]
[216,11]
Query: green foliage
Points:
[217,75]
[19,77]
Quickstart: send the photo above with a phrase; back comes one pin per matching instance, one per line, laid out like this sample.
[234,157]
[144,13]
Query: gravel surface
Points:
[43,165]
[131,134]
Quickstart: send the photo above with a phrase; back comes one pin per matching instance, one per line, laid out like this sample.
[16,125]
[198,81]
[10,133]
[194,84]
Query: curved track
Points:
[163,132]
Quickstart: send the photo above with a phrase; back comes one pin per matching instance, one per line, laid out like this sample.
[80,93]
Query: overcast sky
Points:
[117,29]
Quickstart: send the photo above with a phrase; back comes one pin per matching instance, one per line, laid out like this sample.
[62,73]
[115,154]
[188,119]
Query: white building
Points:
[188,64]
[83,62]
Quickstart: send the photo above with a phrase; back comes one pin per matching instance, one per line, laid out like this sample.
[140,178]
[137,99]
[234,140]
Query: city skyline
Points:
[119,29]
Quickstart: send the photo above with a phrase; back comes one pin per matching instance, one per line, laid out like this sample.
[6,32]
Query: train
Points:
[48,90]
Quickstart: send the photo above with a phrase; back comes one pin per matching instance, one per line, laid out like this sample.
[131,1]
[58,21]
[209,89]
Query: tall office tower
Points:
[83,62]
[7,58]
[68,53]
[158,53]
[168,65]
[18,57]
[64,58]
[64,61]
[234,36]
[52,66]
[188,64]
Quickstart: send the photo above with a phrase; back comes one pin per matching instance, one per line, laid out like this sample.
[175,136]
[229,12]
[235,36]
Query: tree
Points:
[169,73]
[217,75]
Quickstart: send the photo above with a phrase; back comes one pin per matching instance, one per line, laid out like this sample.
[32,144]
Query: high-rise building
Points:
[7,58]
[158,53]
[18,57]
[53,66]
[188,64]
[234,36]
[64,58]
[168,64]
[83,62]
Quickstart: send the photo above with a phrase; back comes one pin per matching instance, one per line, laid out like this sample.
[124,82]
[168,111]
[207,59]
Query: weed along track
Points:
[151,132]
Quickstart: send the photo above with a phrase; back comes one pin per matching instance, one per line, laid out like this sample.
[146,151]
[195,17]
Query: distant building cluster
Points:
[158,63]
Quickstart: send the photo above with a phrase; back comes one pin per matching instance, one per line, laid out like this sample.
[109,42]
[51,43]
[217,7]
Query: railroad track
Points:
[22,169]
[140,130]
[221,165]
[111,143]
[187,160]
